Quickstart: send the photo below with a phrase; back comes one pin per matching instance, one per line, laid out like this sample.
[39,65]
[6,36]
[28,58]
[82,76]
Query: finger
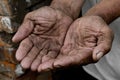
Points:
[36,63]
[38,60]
[23,49]
[29,58]
[24,30]
[64,61]
[47,61]
[75,57]
[103,45]
[50,55]
[46,66]
[67,61]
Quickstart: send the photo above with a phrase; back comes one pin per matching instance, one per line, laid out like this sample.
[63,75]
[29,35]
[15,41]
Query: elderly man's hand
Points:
[41,34]
[88,39]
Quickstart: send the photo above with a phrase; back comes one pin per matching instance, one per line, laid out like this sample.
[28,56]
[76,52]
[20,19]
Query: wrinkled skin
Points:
[88,39]
[41,34]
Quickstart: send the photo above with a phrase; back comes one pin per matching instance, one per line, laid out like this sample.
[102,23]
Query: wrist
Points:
[69,7]
[94,17]
[63,10]
[106,17]
[106,9]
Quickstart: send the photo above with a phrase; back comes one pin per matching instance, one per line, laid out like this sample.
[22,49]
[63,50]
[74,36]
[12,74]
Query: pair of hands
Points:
[50,39]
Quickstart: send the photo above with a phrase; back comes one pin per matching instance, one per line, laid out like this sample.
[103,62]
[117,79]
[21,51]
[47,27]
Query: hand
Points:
[41,34]
[88,39]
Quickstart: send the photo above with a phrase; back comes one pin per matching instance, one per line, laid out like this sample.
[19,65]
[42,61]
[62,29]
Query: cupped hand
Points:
[88,39]
[42,34]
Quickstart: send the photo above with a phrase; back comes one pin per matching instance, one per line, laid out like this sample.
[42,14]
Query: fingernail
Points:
[99,55]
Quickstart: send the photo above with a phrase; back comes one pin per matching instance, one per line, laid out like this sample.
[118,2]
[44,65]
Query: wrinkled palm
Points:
[41,34]
[87,40]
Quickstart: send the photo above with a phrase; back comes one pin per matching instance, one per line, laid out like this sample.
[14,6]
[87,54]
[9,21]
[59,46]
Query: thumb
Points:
[104,44]
[24,30]
[99,51]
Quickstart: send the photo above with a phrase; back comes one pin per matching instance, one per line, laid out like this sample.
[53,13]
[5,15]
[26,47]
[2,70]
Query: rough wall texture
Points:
[12,13]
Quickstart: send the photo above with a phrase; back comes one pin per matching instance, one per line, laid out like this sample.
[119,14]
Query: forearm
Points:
[70,7]
[109,10]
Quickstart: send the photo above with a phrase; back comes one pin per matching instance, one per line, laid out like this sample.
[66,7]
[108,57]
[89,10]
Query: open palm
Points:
[41,34]
[88,39]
